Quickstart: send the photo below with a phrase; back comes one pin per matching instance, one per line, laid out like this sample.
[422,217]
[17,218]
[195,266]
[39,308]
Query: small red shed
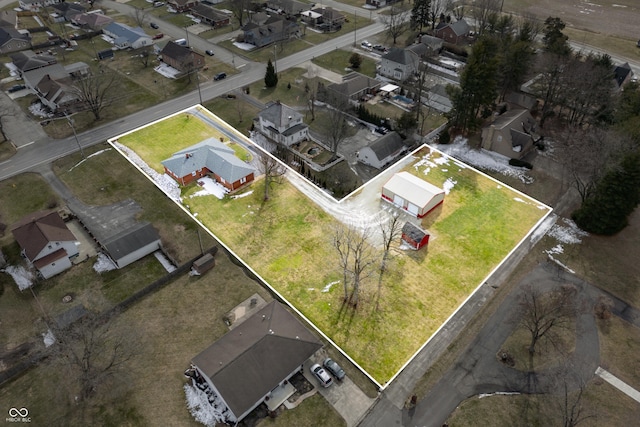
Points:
[415,236]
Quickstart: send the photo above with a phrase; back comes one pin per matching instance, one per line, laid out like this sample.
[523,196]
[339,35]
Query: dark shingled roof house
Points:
[256,357]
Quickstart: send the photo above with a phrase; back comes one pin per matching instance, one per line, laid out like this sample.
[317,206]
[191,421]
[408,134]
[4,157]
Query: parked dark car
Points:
[16,88]
[382,130]
[321,375]
[334,368]
[209,52]
[219,76]
[154,25]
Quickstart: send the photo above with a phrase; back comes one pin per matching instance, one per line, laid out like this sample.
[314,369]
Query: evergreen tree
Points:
[554,40]
[478,85]
[613,200]
[420,14]
[270,77]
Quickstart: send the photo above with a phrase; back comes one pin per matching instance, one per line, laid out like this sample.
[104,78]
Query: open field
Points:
[287,241]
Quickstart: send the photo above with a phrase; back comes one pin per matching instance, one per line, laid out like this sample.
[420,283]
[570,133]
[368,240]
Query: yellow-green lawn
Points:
[287,240]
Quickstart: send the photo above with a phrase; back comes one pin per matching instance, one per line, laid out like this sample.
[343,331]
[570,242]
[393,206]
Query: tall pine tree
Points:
[420,14]
[270,77]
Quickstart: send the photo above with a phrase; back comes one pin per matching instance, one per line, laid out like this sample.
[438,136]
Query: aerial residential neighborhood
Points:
[344,213]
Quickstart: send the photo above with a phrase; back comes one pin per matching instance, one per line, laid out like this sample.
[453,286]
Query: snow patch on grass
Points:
[23,277]
[483,159]
[103,264]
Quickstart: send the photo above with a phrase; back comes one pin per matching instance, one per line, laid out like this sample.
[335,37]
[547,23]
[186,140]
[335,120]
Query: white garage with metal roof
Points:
[412,194]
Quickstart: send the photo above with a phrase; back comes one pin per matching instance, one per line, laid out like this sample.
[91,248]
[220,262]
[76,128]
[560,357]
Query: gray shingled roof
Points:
[28,60]
[353,83]
[130,240]
[211,154]
[414,232]
[400,56]
[387,145]
[252,359]
[279,114]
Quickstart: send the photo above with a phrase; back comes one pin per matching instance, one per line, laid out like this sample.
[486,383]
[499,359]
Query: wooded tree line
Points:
[600,142]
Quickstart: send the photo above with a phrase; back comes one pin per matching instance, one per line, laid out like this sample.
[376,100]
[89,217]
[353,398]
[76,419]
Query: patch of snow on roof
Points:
[448,185]
[209,188]
[103,264]
[483,159]
[22,276]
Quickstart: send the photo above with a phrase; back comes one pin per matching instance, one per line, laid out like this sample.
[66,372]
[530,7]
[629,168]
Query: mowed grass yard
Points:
[288,241]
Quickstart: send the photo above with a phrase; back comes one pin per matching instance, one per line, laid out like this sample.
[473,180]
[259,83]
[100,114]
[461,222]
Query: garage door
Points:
[413,209]
[398,201]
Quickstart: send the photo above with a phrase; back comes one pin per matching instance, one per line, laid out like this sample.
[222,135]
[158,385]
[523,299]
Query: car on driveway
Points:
[321,375]
[219,76]
[333,367]
[16,88]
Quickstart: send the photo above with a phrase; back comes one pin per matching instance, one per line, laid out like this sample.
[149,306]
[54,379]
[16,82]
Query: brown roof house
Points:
[255,358]
[453,33]
[512,134]
[383,151]
[182,58]
[282,124]
[46,242]
[210,16]
[92,20]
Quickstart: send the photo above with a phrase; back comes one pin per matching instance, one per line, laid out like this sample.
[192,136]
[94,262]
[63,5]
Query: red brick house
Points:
[209,157]
[181,58]
[454,33]
[209,15]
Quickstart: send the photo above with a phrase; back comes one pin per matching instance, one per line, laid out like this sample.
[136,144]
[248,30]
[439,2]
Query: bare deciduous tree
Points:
[273,171]
[336,130]
[482,13]
[139,15]
[544,313]
[94,352]
[438,9]
[587,154]
[397,21]
[144,55]
[391,230]
[96,91]
[356,256]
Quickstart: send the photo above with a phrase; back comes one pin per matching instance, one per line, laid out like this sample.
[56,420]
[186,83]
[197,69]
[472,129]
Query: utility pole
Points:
[193,65]
[75,135]
[355,30]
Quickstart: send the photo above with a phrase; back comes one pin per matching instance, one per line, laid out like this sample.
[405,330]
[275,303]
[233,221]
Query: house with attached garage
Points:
[253,362]
[282,124]
[382,151]
[412,194]
[125,36]
[46,242]
[209,157]
[274,29]
[209,15]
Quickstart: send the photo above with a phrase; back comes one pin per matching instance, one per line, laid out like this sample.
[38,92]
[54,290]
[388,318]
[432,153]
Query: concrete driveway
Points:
[345,397]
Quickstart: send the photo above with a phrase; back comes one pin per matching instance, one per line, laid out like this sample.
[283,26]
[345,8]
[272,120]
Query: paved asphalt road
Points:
[46,150]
